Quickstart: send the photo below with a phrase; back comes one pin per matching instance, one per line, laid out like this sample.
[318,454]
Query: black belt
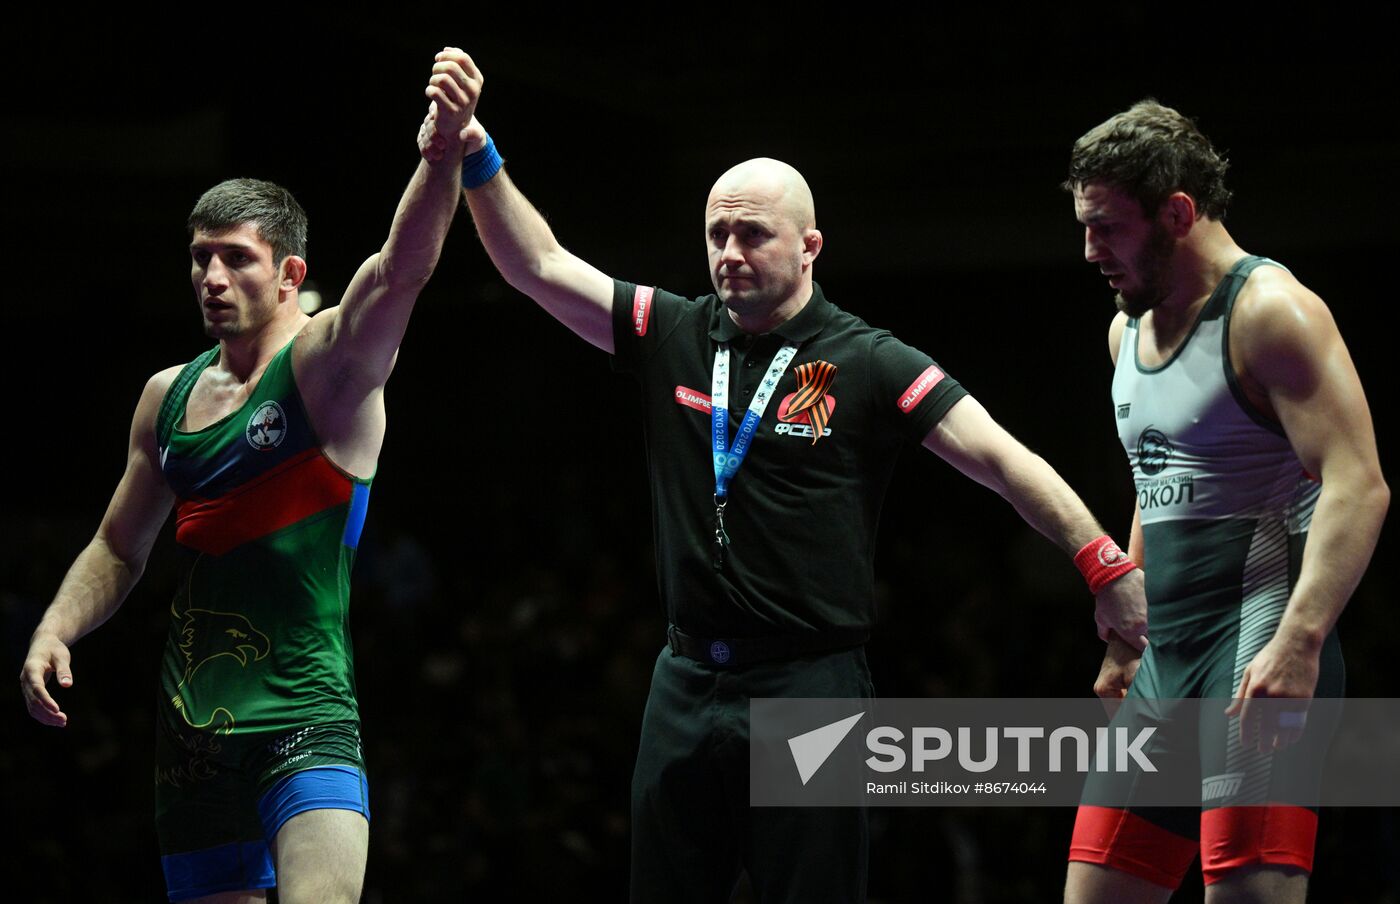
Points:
[736,651]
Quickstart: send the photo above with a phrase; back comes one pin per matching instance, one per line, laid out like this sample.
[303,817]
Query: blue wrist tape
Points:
[478,168]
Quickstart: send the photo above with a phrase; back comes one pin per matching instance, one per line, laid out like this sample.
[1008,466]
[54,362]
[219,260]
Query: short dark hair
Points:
[1151,151]
[271,208]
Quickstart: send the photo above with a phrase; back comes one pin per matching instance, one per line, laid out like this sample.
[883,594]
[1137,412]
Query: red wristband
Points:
[1102,562]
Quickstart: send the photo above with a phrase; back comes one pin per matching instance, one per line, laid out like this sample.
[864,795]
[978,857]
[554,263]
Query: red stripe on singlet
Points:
[303,485]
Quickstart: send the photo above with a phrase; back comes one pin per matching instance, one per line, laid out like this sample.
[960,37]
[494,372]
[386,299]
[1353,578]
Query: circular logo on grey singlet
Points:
[1153,451]
[267,427]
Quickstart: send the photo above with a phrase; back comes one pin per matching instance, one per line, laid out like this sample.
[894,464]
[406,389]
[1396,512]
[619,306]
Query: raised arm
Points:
[1287,346]
[969,440]
[524,249]
[108,567]
[351,349]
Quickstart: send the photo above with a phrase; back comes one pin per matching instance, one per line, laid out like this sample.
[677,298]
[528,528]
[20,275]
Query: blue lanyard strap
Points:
[728,458]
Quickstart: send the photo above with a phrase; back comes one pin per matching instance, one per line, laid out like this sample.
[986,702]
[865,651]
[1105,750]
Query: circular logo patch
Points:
[1110,555]
[267,427]
[1153,451]
[719,652]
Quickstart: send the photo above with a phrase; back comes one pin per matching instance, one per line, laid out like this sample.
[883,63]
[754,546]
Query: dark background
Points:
[505,613]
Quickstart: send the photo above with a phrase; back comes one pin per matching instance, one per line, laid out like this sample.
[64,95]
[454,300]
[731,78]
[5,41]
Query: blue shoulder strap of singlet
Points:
[173,405]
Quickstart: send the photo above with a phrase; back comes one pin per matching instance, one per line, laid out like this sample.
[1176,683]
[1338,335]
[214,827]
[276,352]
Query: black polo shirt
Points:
[801,515]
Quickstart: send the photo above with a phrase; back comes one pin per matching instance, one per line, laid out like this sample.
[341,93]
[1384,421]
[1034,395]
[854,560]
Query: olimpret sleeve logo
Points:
[641,309]
[920,388]
[693,398]
[814,380]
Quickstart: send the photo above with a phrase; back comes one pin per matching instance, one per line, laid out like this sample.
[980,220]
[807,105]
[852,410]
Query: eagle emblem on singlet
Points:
[1153,451]
[207,636]
[267,427]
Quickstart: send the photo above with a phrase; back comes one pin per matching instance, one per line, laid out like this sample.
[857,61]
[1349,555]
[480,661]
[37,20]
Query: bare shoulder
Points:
[315,351]
[322,344]
[319,328]
[1115,334]
[156,388]
[1273,299]
[1293,357]
[316,334]
[143,423]
[161,380]
[1277,319]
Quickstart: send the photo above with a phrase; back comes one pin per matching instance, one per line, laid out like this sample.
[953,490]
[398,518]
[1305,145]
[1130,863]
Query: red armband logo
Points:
[920,388]
[693,398]
[641,309]
[1102,562]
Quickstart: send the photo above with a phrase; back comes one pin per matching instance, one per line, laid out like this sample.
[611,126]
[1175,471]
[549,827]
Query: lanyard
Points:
[728,458]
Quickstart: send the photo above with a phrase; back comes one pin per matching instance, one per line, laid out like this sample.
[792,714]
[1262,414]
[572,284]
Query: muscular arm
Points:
[108,567]
[969,440]
[1287,347]
[352,348]
[527,254]
[370,322]
[345,355]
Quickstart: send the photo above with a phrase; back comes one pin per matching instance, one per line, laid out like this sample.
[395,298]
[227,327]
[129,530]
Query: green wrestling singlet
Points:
[259,634]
